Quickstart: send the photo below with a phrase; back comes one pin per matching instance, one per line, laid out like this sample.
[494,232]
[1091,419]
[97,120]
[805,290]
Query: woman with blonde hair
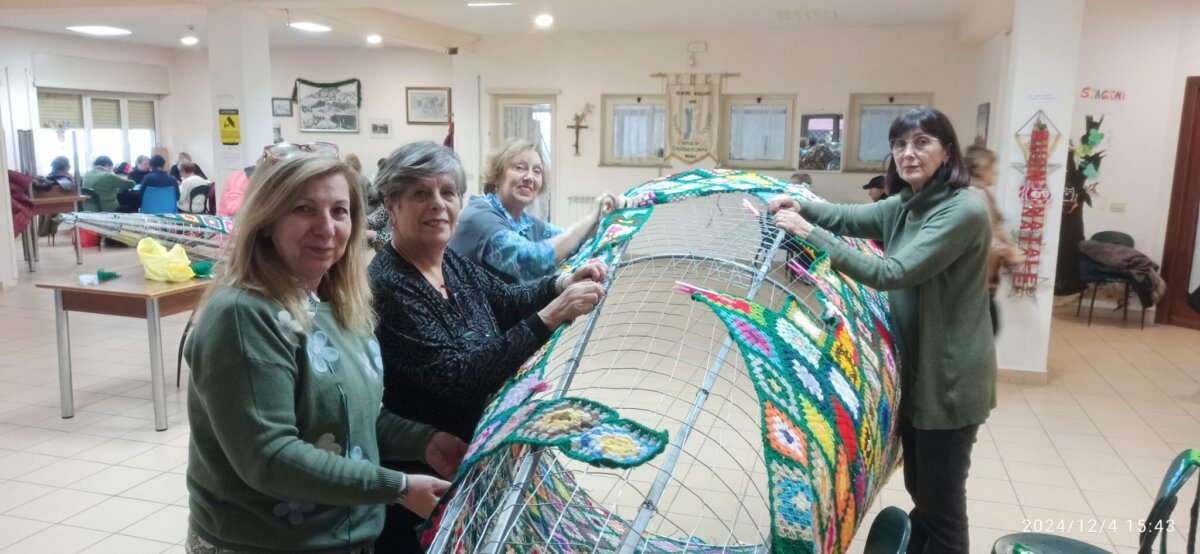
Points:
[981,163]
[495,232]
[287,435]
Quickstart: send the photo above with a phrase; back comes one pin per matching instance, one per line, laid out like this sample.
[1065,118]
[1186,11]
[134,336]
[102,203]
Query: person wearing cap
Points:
[875,189]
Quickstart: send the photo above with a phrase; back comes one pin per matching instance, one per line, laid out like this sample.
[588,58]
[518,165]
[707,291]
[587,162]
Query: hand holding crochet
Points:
[444,453]
[594,271]
[576,299]
[424,492]
[783,202]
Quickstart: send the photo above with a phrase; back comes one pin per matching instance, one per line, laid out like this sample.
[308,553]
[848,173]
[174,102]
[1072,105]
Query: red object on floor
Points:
[88,238]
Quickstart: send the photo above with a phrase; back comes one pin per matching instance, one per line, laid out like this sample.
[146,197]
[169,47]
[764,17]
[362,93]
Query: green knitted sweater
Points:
[287,430]
[937,244]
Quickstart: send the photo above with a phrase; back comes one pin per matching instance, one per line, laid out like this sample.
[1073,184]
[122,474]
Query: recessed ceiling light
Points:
[99,30]
[189,41]
[489,4]
[544,21]
[374,39]
[310,26]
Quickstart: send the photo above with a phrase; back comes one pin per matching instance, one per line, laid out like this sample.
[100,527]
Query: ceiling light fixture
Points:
[310,27]
[374,39]
[100,30]
[189,40]
[489,4]
[544,21]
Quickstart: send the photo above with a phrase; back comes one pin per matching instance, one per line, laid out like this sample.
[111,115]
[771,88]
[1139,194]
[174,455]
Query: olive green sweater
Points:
[287,430]
[937,244]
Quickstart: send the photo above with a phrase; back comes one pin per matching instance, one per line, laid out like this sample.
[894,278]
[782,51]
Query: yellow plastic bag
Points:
[160,264]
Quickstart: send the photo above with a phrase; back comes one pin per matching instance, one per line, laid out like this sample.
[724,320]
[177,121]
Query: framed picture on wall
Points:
[871,117]
[281,107]
[428,105]
[983,115]
[381,128]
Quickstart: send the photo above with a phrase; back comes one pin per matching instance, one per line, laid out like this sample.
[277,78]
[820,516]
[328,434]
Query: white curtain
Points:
[758,132]
[639,131]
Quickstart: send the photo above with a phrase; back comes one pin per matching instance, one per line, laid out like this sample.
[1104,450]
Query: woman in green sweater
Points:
[936,233]
[287,380]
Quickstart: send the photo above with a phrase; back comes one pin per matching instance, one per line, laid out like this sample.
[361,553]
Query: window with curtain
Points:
[634,131]
[141,128]
[107,137]
[60,129]
[758,131]
[870,117]
[117,127]
[530,118]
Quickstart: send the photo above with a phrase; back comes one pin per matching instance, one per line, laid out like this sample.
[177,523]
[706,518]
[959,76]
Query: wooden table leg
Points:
[157,386]
[66,394]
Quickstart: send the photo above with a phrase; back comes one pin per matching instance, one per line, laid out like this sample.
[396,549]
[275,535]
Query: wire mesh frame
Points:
[647,349]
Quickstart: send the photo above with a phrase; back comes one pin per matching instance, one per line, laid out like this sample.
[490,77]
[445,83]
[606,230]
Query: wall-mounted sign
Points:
[1094,93]
[227,122]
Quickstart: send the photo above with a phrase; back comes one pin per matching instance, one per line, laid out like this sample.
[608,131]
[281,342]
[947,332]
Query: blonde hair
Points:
[251,261]
[978,159]
[354,163]
[502,158]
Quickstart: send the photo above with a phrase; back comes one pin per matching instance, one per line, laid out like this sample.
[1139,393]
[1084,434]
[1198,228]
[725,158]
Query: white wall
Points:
[18,99]
[821,66]
[1147,57]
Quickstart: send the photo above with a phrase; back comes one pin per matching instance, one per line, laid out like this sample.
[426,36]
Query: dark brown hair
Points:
[935,124]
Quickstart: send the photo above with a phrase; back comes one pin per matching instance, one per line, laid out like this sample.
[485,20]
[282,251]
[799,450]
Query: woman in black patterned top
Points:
[451,333]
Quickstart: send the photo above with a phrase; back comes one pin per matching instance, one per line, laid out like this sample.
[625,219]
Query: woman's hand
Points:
[424,492]
[783,202]
[593,271]
[793,223]
[444,453]
[609,203]
[575,300]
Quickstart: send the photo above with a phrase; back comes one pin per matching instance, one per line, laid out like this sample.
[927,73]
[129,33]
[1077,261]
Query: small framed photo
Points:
[381,128]
[428,106]
[281,107]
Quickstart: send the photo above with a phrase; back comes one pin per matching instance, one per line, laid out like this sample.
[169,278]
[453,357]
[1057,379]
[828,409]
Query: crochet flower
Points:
[328,443]
[288,327]
[320,355]
[293,510]
[753,337]
[372,363]
[355,454]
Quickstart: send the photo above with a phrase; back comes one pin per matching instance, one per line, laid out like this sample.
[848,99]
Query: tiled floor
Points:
[1089,447]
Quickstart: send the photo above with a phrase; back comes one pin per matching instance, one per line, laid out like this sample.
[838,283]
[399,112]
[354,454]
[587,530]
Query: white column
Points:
[1042,73]
[239,67]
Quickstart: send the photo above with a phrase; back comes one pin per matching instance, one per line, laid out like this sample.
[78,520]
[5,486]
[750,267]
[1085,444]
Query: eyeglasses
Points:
[920,143]
[285,150]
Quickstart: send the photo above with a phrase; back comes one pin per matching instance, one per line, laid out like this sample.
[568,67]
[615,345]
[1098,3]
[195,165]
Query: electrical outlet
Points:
[1117,207]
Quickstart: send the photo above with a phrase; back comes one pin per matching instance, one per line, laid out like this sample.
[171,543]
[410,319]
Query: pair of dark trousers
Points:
[935,474]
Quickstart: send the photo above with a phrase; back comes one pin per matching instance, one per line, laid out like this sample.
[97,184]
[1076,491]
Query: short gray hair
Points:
[416,162]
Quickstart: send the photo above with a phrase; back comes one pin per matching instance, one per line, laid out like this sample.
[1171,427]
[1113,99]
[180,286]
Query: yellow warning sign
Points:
[231,129]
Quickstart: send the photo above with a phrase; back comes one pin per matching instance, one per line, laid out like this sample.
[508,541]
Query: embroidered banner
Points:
[692,110]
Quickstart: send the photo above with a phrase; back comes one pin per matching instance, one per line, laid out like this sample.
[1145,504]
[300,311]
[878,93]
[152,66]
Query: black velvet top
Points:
[443,358]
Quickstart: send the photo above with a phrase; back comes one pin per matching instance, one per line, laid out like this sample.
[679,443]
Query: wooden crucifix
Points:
[580,119]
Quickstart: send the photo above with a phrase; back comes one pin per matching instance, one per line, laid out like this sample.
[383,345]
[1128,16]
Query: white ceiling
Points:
[162,22]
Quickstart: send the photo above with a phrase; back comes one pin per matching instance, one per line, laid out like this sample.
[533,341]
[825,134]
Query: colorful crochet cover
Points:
[827,389]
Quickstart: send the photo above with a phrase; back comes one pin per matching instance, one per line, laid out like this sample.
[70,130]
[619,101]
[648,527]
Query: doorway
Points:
[1181,254]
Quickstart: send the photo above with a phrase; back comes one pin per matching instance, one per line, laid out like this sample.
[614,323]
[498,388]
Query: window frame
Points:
[608,103]
[502,98]
[850,161]
[728,101]
[86,97]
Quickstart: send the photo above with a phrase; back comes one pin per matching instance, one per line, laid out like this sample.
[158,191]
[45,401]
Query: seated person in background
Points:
[450,333]
[106,184]
[799,178]
[160,180]
[496,233]
[190,181]
[122,170]
[141,168]
[287,435]
[818,156]
[60,173]
[176,170]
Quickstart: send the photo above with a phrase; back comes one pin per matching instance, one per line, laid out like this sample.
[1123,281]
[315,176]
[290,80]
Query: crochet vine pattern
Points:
[752,414]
